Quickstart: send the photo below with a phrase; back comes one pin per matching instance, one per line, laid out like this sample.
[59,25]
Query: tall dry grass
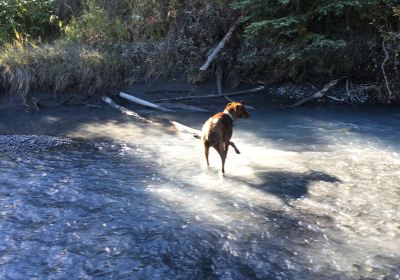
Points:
[95,54]
[63,66]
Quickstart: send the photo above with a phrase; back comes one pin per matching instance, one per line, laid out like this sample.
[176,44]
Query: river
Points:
[314,194]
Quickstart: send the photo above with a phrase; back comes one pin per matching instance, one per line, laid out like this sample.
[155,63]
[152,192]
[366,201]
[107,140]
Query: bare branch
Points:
[254,90]
[383,70]
[186,129]
[318,94]
[143,102]
[123,110]
[220,46]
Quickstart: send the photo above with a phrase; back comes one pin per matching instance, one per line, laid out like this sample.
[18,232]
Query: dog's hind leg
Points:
[206,151]
[234,146]
[222,153]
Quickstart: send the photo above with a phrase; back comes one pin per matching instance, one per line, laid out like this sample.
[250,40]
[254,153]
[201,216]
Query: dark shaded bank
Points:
[281,94]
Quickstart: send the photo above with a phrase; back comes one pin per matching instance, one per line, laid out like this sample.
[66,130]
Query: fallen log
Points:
[184,107]
[219,78]
[318,94]
[177,126]
[231,100]
[220,46]
[254,90]
[143,102]
[183,128]
[123,110]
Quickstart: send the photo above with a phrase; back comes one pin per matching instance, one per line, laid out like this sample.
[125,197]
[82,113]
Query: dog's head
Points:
[237,109]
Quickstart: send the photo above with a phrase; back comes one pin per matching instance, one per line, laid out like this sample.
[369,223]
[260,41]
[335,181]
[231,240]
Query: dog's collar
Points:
[229,115]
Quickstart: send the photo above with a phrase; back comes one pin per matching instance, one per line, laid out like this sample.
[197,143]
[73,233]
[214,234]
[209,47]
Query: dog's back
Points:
[217,129]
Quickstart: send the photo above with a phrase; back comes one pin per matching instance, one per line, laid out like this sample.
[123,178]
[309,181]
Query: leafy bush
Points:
[95,26]
[33,18]
[310,38]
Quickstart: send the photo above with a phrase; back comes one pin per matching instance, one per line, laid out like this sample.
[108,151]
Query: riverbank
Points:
[280,95]
[101,47]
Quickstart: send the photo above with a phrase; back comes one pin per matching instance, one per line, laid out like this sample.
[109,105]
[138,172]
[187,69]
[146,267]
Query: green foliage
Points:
[310,37]
[94,26]
[33,18]
[109,43]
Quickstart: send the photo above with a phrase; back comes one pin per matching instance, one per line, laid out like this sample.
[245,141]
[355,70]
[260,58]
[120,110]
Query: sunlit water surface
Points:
[314,194]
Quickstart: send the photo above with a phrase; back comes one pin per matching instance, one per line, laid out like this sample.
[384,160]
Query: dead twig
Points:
[231,100]
[339,100]
[318,94]
[184,107]
[348,91]
[90,105]
[123,110]
[254,90]
[143,102]
[219,78]
[220,46]
[383,71]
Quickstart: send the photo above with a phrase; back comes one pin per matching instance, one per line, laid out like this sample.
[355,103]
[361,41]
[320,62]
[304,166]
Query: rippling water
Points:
[314,194]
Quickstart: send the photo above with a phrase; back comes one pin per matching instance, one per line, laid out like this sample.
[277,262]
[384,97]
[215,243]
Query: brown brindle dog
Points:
[217,131]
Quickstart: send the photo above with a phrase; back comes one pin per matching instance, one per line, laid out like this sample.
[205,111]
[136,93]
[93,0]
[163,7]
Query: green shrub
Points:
[95,26]
[33,18]
[311,38]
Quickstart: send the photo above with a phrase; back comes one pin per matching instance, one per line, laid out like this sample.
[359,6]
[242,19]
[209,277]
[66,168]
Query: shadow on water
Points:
[286,185]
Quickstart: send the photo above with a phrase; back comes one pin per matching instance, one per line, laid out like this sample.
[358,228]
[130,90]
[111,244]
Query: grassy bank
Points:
[101,46]
[62,66]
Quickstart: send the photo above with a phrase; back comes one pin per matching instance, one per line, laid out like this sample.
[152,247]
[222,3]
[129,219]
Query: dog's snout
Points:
[245,114]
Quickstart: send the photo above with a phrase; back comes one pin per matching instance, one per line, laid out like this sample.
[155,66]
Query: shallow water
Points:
[314,194]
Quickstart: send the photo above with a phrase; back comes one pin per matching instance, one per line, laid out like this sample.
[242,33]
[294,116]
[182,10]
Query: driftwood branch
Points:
[318,94]
[383,70]
[185,107]
[254,90]
[143,102]
[219,78]
[175,125]
[231,100]
[123,110]
[220,46]
[186,129]
[339,100]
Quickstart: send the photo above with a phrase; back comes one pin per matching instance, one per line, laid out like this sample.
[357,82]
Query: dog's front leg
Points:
[234,146]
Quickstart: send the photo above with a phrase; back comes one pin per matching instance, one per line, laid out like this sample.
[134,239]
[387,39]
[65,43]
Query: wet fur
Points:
[217,131]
